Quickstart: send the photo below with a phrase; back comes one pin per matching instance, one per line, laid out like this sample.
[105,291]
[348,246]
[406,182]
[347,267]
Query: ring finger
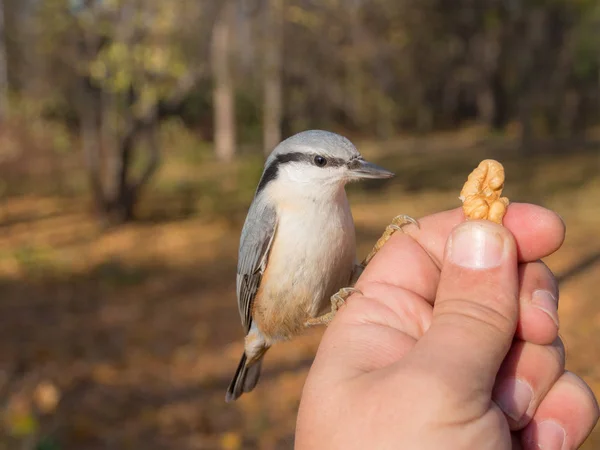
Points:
[527,374]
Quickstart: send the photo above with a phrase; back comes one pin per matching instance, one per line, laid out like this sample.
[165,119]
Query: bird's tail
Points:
[245,378]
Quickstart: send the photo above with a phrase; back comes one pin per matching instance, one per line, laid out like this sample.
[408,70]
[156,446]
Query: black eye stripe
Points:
[292,157]
[272,169]
[336,162]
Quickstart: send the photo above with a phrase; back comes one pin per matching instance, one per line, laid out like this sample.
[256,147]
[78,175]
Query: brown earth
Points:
[138,328]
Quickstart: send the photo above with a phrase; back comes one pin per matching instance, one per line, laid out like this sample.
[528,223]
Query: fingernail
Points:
[476,245]
[550,435]
[514,397]
[546,302]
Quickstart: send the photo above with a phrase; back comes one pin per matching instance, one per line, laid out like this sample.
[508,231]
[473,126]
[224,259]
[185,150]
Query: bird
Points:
[297,252]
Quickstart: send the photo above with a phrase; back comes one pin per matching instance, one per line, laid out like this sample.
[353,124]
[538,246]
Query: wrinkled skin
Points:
[428,355]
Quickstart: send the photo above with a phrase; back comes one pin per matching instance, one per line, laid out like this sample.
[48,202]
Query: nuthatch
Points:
[297,247]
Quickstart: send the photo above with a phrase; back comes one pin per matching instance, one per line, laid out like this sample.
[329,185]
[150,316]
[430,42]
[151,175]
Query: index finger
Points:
[412,259]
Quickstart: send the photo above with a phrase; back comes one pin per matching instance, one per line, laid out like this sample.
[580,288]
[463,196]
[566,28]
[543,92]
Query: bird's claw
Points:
[397,224]
[337,301]
[402,220]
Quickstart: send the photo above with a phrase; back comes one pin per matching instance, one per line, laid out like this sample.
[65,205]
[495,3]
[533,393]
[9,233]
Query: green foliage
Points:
[35,260]
[140,52]
[373,66]
[364,68]
[249,113]
[587,41]
[47,443]
[179,140]
[113,273]
[23,425]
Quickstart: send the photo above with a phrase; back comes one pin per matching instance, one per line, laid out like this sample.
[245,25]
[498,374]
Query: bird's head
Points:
[317,161]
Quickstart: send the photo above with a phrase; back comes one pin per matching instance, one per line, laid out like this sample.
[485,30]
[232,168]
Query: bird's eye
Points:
[320,161]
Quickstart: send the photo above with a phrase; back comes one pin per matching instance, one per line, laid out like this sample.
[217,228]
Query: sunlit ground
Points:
[138,328]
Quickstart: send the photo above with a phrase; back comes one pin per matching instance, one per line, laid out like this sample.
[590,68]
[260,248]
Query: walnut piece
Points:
[481,193]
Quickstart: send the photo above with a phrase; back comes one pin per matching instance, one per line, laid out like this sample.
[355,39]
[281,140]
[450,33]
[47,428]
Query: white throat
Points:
[301,184]
[287,194]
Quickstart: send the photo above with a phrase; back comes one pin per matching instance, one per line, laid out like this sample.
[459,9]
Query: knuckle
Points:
[484,314]
[538,275]
[445,398]
[546,276]
[391,306]
[557,352]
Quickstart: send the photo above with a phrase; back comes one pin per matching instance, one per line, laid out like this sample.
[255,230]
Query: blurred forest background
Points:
[132,137]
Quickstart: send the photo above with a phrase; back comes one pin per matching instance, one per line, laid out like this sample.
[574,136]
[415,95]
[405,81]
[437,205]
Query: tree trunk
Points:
[109,139]
[3,67]
[272,105]
[123,203]
[223,88]
[115,191]
[132,189]
[121,206]
[89,136]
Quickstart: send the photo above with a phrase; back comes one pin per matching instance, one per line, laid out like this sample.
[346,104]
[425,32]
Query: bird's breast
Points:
[311,258]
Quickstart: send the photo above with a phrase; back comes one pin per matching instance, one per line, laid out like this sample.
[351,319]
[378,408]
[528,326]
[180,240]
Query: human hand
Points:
[429,356]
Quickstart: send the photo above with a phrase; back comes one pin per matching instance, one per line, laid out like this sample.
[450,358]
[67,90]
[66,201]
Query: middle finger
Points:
[525,377]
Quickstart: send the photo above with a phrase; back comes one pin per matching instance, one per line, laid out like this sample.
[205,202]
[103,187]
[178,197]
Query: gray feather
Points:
[255,243]
[245,378]
[311,141]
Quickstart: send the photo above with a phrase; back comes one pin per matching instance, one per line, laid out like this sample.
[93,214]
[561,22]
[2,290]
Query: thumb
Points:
[476,307]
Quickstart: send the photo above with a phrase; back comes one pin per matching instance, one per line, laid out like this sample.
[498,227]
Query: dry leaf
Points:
[46,397]
[231,441]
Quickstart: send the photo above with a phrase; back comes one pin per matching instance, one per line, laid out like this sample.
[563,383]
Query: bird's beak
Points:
[359,168]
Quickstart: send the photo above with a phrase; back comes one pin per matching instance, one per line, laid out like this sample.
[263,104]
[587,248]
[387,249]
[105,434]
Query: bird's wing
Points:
[255,243]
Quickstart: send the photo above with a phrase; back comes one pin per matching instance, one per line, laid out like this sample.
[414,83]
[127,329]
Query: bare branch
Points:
[154,158]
